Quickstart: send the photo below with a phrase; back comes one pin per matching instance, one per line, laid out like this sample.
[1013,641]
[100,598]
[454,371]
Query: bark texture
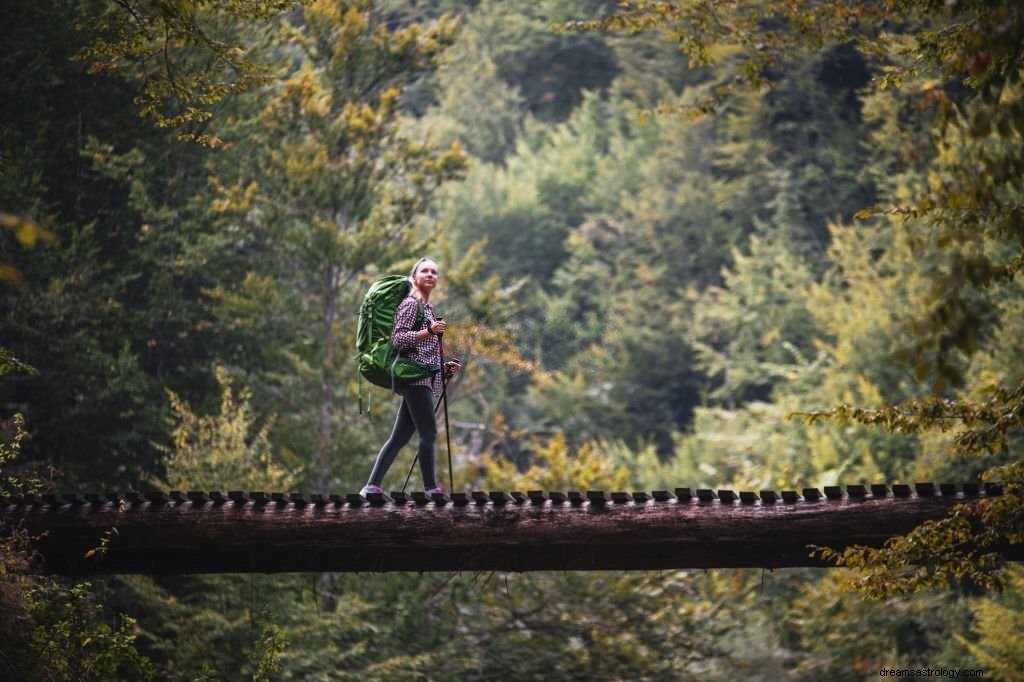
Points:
[254,532]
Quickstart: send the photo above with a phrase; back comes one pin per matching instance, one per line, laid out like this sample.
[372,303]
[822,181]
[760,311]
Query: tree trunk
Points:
[255,532]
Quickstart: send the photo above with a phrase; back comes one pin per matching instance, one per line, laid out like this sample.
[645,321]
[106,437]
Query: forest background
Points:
[661,234]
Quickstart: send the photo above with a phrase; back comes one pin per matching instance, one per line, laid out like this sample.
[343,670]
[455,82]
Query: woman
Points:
[416,413]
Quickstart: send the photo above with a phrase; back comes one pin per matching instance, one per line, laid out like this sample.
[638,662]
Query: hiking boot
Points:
[371,489]
[436,490]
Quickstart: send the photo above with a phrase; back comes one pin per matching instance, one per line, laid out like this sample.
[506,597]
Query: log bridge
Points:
[239,532]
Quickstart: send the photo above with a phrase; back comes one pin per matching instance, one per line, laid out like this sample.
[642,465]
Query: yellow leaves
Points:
[355,22]
[9,273]
[328,12]
[449,163]
[424,44]
[360,123]
[28,232]
[237,198]
[187,56]
[223,450]
[298,103]
[556,466]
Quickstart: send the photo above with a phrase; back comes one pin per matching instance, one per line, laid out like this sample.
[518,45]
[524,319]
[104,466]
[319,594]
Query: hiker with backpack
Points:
[416,334]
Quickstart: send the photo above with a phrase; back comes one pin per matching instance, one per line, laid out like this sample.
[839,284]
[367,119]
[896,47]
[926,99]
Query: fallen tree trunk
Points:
[238,532]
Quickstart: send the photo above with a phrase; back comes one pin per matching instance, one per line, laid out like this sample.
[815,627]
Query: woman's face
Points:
[425,277]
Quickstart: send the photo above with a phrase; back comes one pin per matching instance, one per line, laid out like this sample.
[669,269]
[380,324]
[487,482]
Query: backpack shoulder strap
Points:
[420,315]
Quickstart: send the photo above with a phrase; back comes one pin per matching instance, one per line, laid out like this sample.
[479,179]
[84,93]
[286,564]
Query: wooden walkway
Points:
[215,532]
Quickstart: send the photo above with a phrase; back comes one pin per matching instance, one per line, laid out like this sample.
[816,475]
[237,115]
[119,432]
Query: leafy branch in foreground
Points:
[983,428]
[966,545]
[186,53]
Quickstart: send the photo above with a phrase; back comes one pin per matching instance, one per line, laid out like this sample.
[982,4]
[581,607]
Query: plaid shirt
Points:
[403,338]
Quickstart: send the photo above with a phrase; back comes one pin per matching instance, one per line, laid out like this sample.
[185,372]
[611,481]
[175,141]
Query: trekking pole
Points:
[448,437]
[447,432]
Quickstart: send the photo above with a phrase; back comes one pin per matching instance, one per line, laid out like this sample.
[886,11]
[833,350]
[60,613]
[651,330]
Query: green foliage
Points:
[527,205]
[749,38]
[755,329]
[220,452]
[997,642]
[964,202]
[476,106]
[69,638]
[645,227]
[52,628]
[551,71]
[966,544]
[844,637]
[324,185]
[324,627]
[186,52]
[789,157]
[69,324]
[102,309]
[634,383]
[980,428]
[973,42]
[677,287]
[272,643]
[205,628]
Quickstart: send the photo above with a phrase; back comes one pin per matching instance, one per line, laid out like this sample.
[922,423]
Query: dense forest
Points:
[748,245]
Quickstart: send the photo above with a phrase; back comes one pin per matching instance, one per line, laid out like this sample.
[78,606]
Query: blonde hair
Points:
[421,261]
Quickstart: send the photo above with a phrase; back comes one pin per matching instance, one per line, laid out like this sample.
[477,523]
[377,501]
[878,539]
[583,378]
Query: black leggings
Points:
[416,415]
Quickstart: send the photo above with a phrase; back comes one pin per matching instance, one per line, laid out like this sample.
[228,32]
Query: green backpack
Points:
[379,362]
